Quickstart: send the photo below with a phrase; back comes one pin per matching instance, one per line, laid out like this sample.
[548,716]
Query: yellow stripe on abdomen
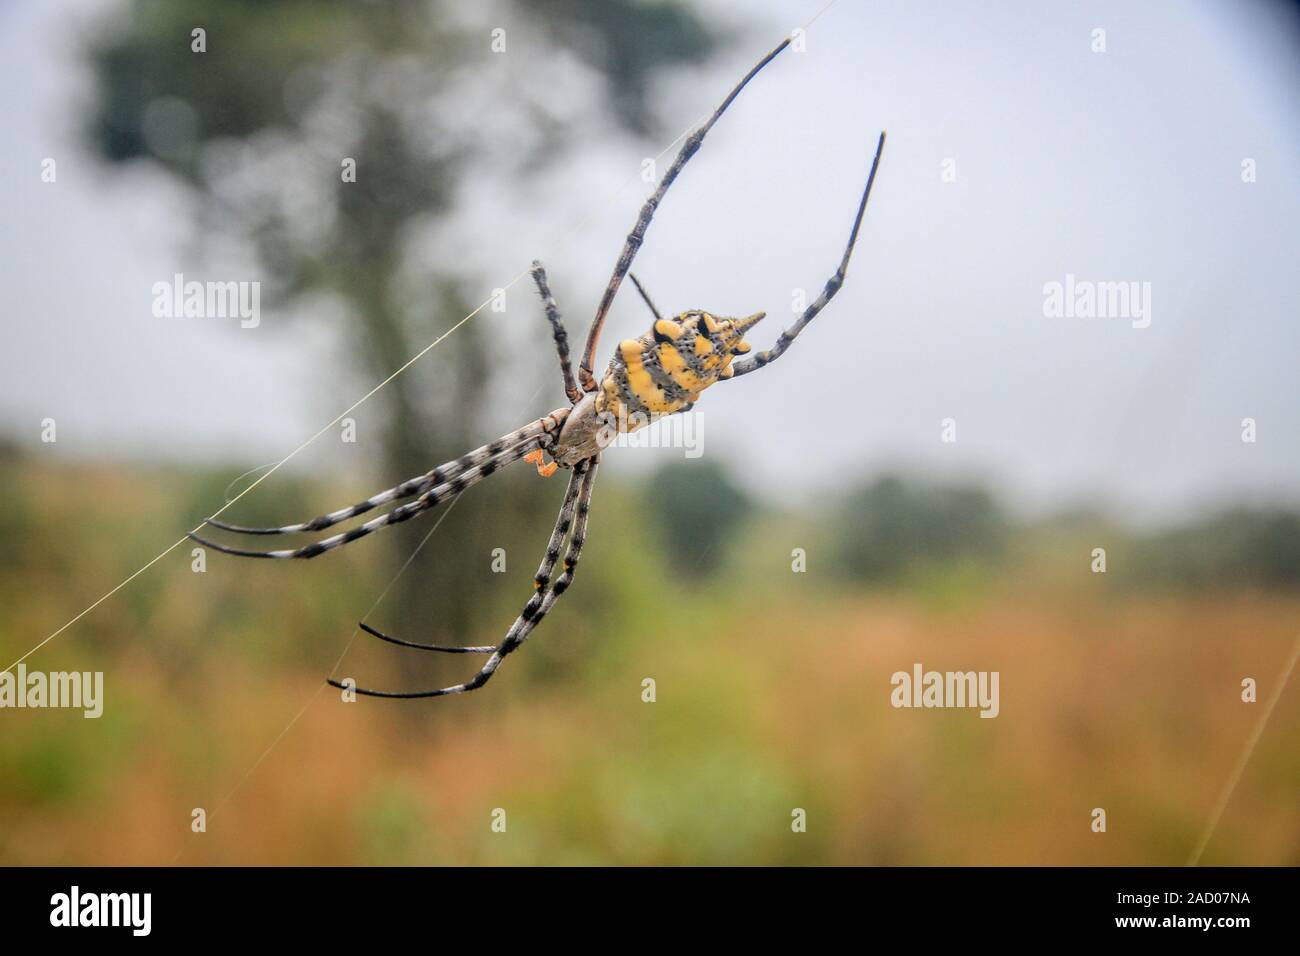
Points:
[680,372]
[640,383]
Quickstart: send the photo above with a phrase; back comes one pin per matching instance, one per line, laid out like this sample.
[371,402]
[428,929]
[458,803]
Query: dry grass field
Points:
[772,693]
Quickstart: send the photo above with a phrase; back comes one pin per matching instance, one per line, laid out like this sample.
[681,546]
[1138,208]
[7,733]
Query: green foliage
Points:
[1232,549]
[697,510]
[771,693]
[894,525]
[627,40]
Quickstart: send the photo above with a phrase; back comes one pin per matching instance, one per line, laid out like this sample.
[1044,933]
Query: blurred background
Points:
[1019,153]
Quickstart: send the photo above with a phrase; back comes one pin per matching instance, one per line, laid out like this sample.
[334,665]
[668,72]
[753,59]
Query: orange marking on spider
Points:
[536,458]
[663,371]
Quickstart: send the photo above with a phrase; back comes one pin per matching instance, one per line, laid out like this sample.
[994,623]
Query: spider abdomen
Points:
[665,370]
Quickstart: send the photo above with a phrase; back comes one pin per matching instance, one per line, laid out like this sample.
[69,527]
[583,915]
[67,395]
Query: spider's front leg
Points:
[637,236]
[833,284]
[572,517]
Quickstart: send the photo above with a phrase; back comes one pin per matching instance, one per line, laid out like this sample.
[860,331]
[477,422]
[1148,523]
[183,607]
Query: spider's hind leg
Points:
[429,499]
[445,649]
[467,471]
[493,451]
[573,515]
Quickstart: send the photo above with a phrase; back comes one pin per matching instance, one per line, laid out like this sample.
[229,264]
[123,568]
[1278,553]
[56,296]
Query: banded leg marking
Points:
[637,235]
[759,359]
[577,497]
[557,330]
[413,486]
[429,499]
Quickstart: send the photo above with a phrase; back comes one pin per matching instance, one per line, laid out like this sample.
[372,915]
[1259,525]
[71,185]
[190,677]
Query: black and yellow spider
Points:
[662,372]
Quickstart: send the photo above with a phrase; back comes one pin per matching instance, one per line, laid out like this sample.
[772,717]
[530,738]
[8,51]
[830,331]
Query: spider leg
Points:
[577,497]
[429,499]
[571,557]
[424,647]
[413,486]
[759,359]
[557,328]
[637,235]
[644,295]
[540,580]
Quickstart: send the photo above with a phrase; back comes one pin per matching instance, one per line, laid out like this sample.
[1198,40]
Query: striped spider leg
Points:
[833,284]
[445,481]
[661,372]
[433,488]
[557,328]
[577,501]
[637,235]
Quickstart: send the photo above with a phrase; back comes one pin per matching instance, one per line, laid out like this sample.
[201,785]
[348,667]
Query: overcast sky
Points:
[1117,166]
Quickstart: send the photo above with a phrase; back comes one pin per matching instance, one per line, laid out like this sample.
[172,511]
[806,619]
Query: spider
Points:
[661,373]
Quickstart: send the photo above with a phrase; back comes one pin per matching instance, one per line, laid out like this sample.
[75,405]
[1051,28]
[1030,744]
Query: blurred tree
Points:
[893,525]
[259,124]
[1233,549]
[696,507]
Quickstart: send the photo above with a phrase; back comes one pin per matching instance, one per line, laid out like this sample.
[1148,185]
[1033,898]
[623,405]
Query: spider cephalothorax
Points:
[660,373]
